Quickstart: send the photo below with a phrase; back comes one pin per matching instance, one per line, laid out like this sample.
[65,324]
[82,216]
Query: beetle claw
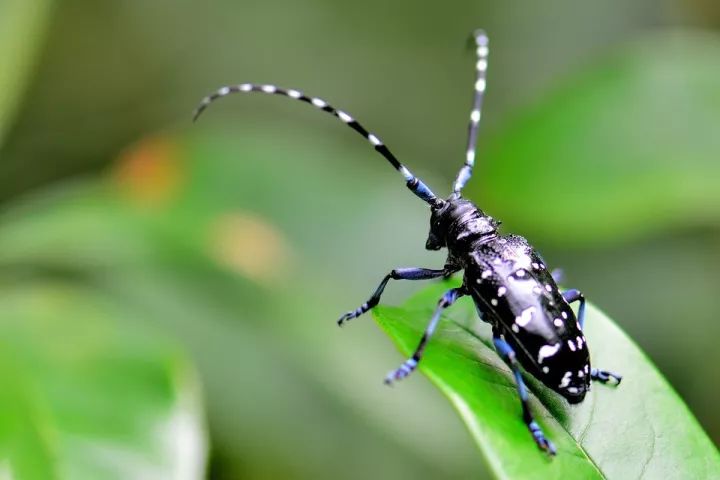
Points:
[541,440]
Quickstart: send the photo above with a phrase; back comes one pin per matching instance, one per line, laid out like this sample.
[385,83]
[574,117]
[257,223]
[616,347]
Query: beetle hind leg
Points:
[604,376]
[508,355]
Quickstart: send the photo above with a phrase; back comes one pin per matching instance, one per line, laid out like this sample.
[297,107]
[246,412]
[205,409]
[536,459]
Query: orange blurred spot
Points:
[250,246]
[150,173]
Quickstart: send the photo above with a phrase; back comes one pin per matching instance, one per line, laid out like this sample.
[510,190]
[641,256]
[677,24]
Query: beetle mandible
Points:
[532,323]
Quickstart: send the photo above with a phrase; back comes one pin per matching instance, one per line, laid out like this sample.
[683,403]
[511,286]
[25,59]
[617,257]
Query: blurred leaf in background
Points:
[627,150]
[84,396]
[22,27]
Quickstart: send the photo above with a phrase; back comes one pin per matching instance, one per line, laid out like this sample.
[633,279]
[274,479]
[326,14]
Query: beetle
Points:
[532,323]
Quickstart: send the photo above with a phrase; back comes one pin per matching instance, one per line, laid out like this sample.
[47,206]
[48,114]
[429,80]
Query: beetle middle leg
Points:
[412,273]
[508,355]
[595,374]
[411,363]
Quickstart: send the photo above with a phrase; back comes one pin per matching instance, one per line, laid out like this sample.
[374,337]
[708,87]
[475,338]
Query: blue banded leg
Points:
[595,374]
[411,363]
[574,295]
[508,355]
[558,274]
[604,376]
[396,274]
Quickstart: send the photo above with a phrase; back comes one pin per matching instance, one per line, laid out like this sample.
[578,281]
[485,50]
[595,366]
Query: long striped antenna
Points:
[481,44]
[413,183]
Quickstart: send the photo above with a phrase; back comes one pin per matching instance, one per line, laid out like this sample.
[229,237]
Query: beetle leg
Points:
[574,295]
[411,363]
[595,374]
[604,376]
[557,274]
[508,355]
[396,274]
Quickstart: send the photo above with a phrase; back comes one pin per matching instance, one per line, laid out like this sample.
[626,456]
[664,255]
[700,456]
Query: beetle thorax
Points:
[458,223]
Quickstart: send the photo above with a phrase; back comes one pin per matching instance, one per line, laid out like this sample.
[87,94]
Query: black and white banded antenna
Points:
[413,183]
[481,46]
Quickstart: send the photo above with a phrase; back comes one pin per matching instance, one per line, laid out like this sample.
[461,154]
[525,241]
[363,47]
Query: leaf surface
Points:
[641,429]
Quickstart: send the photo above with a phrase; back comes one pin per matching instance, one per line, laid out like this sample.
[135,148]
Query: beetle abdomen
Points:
[518,296]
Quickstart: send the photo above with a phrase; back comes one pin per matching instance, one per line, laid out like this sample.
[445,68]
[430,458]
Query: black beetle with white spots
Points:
[532,323]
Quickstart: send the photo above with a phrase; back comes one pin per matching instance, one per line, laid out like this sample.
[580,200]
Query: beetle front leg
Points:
[595,374]
[411,363]
[508,355]
[396,274]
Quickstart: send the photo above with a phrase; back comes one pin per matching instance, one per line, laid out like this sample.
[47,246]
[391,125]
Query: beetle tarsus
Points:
[604,376]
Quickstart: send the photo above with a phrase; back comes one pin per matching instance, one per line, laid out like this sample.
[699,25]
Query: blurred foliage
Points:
[22,23]
[244,243]
[168,234]
[627,150]
[86,397]
[609,435]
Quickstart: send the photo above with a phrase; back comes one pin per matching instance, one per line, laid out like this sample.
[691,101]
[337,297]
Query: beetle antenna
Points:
[413,183]
[481,44]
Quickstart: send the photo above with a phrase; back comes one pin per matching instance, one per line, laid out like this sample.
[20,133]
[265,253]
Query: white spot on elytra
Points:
[524,318]
[548,287]
[494,302]
[478,281]
[579,341]
[475,116]
[586,368]
[564,315]
[572,390]
[558,322]
[571,345]
[486,274]
[523,261]
[268,88]
[535,265]
[482,51]
[344,116]
[581,374]
[545,369]
[245,87]
[565,380]
[294,94]
[481,65]
[547,351]
[374,140]
[480,85]
[501,291]
[520,273]
[515,328]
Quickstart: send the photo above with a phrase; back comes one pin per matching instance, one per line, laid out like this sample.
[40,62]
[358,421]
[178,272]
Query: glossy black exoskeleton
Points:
[532,322]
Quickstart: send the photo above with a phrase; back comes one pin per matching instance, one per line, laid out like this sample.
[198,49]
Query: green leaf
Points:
[21,25]
[641,429]
[87,393]
[627,148]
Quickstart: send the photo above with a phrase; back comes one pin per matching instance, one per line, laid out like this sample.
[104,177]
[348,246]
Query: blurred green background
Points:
[191,275]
